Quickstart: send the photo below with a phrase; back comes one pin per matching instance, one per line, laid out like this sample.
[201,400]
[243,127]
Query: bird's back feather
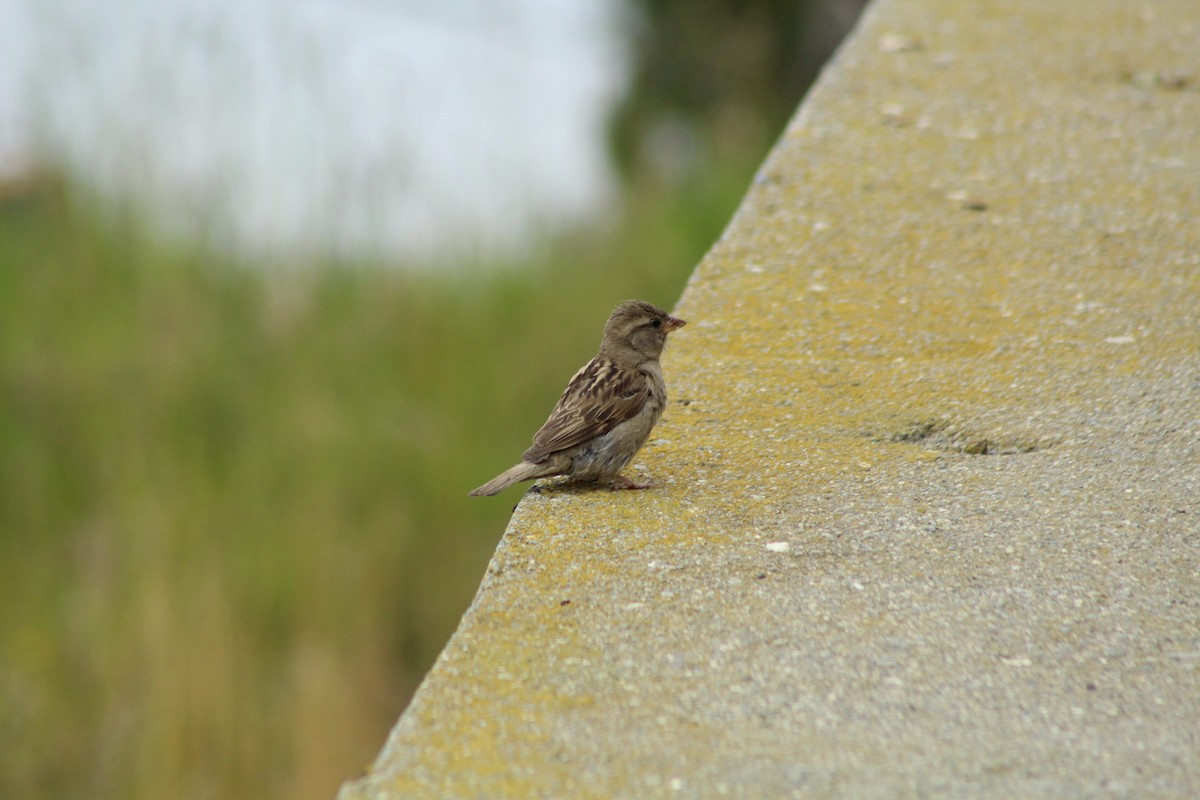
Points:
[600,397]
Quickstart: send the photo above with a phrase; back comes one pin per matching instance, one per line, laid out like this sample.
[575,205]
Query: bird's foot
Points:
[621,482]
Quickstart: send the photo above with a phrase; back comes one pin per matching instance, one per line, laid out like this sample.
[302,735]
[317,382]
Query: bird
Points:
[607,410]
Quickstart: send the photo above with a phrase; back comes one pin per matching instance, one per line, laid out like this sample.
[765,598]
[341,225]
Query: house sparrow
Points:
[606,413]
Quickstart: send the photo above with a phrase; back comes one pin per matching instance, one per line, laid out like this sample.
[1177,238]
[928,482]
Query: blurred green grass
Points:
[234,530]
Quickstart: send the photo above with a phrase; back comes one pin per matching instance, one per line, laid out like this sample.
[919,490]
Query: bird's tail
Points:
[521,472]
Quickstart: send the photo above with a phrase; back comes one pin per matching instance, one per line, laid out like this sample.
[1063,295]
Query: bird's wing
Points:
[599,397]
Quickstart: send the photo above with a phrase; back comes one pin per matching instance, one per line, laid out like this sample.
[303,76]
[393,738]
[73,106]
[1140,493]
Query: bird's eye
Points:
[656,323]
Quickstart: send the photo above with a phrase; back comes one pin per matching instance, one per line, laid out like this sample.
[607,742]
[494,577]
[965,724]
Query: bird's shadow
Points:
[566,486]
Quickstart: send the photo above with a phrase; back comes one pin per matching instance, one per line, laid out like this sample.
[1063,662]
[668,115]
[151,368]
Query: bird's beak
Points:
[673,323]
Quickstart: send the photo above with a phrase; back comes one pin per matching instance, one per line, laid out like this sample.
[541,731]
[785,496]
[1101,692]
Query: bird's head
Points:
[636,332]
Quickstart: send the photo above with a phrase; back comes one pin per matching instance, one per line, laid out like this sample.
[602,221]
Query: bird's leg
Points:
[621,482]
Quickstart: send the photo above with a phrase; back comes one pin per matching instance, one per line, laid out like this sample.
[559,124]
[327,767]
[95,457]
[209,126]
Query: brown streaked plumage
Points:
[608,409]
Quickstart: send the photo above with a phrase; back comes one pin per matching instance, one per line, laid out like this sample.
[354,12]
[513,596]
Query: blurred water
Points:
[406,129]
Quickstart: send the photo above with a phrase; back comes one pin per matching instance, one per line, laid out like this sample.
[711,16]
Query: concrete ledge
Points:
[928,523]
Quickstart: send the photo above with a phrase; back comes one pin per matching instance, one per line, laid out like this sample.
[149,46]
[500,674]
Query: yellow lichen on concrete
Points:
[928,472]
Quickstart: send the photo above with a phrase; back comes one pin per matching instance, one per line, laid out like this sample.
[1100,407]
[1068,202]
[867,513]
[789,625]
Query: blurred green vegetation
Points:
[715,77]
[234,530]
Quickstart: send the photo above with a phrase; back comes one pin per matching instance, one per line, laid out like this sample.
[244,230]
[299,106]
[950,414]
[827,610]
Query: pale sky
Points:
[404,129]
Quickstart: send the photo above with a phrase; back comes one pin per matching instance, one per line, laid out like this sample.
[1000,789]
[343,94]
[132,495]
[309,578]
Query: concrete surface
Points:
[927,523]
